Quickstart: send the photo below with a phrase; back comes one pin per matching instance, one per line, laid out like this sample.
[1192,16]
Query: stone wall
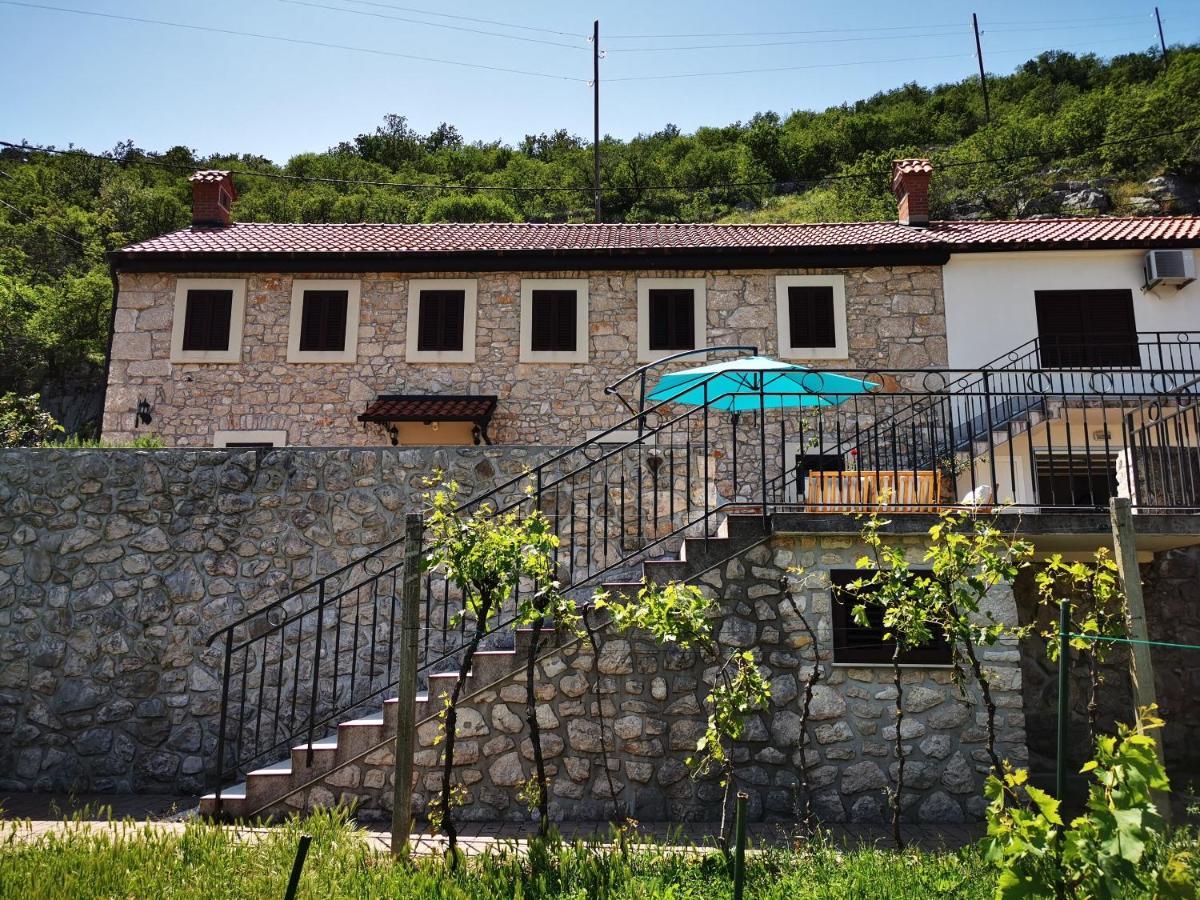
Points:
[895,320]
[117,566]
[1170,586]
[652,702]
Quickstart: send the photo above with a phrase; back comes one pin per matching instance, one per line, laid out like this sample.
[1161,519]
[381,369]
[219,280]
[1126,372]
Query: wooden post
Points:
[1162,41]
[1141,667]
[987,109]
[406,688]
[739,846]
[596,116]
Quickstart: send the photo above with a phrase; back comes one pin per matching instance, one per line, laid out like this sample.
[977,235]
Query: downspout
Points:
[112,324]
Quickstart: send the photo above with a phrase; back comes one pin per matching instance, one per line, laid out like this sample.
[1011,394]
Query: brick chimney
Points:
[910,184]
[213,194]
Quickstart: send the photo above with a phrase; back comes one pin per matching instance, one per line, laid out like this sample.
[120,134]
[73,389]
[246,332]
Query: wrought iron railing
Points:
[918,441]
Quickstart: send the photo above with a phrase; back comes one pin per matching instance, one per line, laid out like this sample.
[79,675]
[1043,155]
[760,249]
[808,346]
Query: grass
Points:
[203,861]
[135,860]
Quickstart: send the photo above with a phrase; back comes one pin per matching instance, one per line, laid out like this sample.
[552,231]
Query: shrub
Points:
[23,423]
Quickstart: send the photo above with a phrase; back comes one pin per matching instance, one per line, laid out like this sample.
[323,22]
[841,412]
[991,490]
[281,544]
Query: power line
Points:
[430,12]
[377,15]
[787,68]
[290,40]
[845,40]
[58,234]
[776,33]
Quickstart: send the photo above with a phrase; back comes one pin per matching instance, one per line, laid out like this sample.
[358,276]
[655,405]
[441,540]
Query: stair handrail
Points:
[326,598]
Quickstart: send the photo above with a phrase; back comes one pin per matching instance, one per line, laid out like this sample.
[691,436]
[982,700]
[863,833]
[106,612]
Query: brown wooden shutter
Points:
[672,323]
[440,321]
[206,320]
[554,318]
[810,316]
[1086,328]
[323,321]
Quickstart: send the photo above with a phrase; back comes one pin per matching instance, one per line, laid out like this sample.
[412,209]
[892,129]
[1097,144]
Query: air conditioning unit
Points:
[1177,267]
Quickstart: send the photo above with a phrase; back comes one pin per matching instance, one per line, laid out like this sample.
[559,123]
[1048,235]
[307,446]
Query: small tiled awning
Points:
[477,408]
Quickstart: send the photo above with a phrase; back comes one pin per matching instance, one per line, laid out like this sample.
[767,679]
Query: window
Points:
[207,322]
[1075,480]
[257,440]
[554,320]
[671,316]
[1086,328]
[441,320]
[859,644]
[323,327]
[811,310]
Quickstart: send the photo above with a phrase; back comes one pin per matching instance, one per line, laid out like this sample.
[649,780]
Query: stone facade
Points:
[652,702]
[895,319]
[117,566]
[1169,587]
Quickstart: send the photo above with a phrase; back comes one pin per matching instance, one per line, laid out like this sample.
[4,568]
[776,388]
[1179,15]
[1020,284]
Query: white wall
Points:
[989,297]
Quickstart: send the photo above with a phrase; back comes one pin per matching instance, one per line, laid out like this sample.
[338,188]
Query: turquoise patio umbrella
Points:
[754,383]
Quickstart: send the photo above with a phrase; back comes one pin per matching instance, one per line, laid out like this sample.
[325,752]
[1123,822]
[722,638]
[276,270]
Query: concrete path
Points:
[45,813]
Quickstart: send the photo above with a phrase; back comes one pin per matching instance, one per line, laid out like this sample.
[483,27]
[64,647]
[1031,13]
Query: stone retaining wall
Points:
[652,701]
[116,566]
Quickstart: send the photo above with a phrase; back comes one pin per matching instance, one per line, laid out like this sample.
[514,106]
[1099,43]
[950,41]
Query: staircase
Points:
[268,789]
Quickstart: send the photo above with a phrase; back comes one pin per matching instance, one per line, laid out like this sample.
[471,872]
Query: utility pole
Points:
[596,115]
[987,110]
[1161,40]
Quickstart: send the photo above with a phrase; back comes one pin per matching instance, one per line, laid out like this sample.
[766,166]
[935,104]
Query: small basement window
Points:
[554,320]
[441,320]
[323,327]
[811,310]
[671,316]
[250,440]
[865,644]
[207,323]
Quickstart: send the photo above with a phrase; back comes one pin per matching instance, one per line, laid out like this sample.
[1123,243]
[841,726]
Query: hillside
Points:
[1068,134]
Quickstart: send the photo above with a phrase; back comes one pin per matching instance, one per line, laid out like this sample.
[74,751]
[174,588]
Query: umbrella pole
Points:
[762,450]
[733,418]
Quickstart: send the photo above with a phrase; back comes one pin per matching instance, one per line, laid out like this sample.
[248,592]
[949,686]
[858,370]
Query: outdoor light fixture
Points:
[143,415]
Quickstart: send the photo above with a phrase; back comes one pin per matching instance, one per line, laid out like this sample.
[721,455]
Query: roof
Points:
[247,242]
[210,175]
[429,408]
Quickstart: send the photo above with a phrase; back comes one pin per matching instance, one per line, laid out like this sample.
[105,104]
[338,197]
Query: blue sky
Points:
[93,81]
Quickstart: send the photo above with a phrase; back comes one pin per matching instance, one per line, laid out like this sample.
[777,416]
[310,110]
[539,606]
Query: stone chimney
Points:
[213,194]
[910,184]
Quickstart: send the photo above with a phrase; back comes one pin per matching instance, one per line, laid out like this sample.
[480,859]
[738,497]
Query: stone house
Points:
[306,377]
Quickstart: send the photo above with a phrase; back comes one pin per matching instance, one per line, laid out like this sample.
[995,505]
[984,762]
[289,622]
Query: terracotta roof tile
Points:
[429,408]
[912,166]
[209,175]
[262,238]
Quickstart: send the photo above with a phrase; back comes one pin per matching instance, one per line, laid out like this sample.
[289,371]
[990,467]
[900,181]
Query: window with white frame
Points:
[250,439]
[323,326]
[554,320]
[207,322]
[811,310]
[441,320]
[672,316]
